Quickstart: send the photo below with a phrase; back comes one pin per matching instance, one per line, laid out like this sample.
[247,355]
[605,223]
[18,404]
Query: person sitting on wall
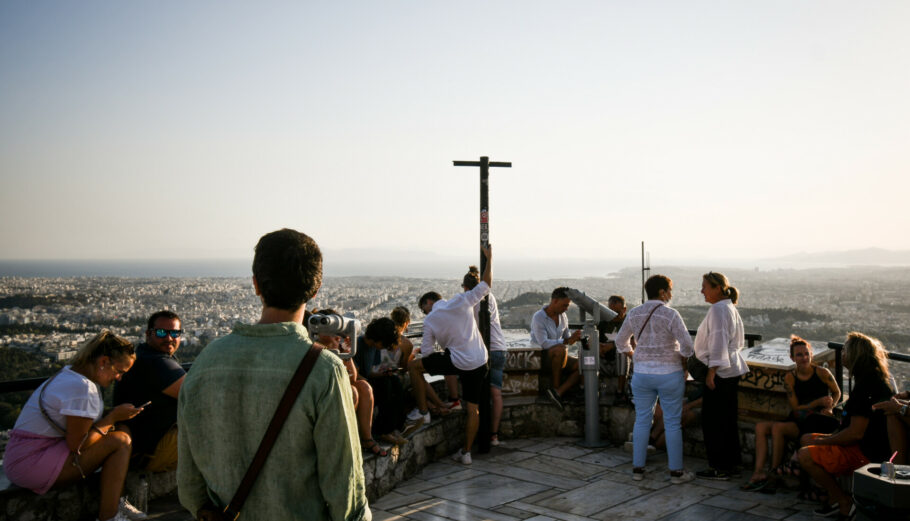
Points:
[812,394]
[361,390]
[155,378]
[402,318]
[62,434]
[610,363]
[897,412]
[864,436]
[382,367]
[550,332]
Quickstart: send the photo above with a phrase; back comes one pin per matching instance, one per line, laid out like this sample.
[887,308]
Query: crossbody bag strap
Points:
[271,434]
[642,330]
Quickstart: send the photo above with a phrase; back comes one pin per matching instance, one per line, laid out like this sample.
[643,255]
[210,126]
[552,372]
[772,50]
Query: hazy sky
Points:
[710,130]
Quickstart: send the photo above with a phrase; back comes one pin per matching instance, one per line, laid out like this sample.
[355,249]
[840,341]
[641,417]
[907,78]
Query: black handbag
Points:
[697,369]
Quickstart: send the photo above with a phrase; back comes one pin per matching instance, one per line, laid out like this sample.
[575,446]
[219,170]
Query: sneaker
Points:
[713,474]
[554,397]
[462,457]
[652,449]
[127,509]
[638,474]
[416,415]
[827,511]
[679,477]
[454,405]
[494,441]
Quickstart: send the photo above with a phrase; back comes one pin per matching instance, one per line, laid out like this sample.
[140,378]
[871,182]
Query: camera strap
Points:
[271,434]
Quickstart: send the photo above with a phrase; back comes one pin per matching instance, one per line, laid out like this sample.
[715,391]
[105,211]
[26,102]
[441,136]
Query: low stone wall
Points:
[523,417]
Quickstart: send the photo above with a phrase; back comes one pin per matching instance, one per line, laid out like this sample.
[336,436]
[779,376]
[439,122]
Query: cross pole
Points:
[483,433]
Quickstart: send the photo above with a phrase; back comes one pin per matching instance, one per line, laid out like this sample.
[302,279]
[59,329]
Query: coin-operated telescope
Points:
[589,363]
[332,324]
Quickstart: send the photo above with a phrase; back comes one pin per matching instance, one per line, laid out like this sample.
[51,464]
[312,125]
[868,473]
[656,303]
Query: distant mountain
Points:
[866,256]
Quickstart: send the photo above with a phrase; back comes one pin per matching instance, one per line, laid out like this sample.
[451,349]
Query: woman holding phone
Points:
[63,435]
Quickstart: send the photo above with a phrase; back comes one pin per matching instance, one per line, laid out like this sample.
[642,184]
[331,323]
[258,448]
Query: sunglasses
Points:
[175,333]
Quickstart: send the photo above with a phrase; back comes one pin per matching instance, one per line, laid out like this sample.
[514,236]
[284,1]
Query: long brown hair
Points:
[866,357]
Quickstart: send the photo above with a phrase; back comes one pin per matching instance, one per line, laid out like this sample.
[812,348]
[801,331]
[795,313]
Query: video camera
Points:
[331,324]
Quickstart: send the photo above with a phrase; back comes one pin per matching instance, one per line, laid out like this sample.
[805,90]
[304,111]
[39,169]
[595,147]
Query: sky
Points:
[709,130]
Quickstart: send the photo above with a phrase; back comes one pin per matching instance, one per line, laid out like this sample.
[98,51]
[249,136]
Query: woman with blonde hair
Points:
[863,437]
[63,435]
[718,343]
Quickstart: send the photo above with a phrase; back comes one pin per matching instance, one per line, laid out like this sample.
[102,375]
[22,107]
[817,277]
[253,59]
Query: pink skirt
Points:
[33,461]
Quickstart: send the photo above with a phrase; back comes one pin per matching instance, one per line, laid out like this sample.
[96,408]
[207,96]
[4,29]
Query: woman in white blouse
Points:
[662,346]
[718,343]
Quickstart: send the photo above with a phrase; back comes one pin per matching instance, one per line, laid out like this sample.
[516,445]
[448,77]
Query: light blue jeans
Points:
[646,388]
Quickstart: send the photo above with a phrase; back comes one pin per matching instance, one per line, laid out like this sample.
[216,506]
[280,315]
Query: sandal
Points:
[755,486]
[790,468]
[370,445]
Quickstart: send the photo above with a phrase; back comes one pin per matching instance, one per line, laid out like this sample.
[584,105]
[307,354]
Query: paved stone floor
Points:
[541,479]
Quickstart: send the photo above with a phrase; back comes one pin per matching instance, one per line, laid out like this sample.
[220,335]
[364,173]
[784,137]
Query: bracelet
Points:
[99,431]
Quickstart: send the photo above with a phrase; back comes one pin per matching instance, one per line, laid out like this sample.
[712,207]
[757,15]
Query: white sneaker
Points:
[454,405]
[494,441]
[638,474]
[686,476]
[462,457]
[127,509]
[416,415]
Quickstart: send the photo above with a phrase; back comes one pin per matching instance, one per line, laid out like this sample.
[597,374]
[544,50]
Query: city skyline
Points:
[712,132]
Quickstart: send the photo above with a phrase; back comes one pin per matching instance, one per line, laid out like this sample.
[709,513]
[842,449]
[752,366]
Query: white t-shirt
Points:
[69,394]
[497,339]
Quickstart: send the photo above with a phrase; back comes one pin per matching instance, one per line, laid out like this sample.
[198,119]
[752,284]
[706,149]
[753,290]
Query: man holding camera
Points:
[451,324]
[315,469]
[155,378]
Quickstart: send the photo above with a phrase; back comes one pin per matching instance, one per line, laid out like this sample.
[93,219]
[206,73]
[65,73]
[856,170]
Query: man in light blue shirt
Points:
[550,331]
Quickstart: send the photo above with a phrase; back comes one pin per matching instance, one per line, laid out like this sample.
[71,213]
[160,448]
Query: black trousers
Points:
[719,417]
[389,397]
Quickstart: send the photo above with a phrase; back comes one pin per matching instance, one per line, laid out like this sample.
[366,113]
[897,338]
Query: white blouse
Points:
[664,339]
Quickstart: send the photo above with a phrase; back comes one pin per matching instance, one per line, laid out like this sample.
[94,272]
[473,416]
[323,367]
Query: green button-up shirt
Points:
[315,469]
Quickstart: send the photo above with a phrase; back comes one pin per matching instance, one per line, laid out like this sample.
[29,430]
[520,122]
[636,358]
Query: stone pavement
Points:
[541,479]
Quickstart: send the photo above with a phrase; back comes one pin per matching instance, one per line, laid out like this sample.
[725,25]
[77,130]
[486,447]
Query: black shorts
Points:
[471,381]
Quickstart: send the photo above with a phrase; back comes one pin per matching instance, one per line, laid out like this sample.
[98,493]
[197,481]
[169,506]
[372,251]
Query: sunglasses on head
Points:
[161,333]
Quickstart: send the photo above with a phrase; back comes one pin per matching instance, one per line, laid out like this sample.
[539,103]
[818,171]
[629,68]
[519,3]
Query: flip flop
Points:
[370,445]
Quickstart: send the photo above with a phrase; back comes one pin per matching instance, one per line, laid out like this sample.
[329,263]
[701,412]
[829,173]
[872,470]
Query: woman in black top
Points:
[811,392]
[863,437]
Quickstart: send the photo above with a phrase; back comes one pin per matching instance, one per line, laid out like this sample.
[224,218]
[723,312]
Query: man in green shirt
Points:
[315,469]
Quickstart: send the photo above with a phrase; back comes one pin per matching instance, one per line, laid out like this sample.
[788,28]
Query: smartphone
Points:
[146,404]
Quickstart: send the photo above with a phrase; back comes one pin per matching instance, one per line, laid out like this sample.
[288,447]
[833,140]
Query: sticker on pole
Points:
[484,217]
[589,360]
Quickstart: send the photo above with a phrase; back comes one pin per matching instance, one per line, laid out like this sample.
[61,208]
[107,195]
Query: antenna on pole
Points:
[645,269]
[483,434]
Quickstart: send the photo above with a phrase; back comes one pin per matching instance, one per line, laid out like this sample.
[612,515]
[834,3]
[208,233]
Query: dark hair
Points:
[471,278]
[288,268]
[655,283]
[104,343]
[617,299]
[797,341]
[427,297]
[560,293]
[720,280]
[170,315]
[400,315]
[382,330]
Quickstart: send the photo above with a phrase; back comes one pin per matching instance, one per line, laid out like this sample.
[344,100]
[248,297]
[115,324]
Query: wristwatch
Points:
[904,409]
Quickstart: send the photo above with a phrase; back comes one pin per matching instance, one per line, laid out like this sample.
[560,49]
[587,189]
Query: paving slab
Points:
[487,491]
[454,510]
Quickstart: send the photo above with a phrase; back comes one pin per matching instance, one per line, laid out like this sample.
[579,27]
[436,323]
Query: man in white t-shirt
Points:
[452,325]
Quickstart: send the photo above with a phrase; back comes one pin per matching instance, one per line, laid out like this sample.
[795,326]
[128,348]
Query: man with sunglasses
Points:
[156,377]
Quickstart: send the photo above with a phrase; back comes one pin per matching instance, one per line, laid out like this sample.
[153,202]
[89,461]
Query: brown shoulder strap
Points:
[271,434]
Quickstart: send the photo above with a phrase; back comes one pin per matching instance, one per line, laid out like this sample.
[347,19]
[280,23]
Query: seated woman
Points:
[402,319]
[864,437]
[361,391]
[62,434]
[812,393]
